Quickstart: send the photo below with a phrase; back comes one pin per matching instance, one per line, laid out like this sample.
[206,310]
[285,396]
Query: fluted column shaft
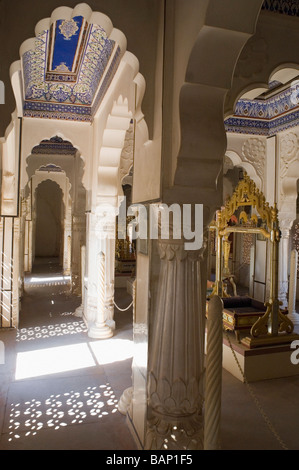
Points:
[283,265]
[293,315]
[100,329]
[103,235]
[175,391]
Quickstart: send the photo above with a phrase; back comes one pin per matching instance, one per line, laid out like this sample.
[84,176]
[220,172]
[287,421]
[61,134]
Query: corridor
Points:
[59,389]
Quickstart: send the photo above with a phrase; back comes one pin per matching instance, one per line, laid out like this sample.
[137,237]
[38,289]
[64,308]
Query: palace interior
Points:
[114,114]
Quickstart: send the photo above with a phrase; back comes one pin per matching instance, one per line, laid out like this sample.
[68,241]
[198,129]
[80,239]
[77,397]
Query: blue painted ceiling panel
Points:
[66,43]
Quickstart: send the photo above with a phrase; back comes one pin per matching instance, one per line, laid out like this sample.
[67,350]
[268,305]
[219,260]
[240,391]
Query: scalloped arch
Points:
[67,13]
[66,198]
[124,122]
[283,74]
[248,167]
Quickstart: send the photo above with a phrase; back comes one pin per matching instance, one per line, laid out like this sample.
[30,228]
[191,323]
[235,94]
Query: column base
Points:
[125,401]
[79,311]
[100,331]
[294,317]
[165,433]
[111,324]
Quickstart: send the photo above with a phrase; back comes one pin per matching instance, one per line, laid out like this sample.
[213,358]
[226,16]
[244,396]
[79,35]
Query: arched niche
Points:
[48,240]
[56,154]
[236,161]
[44,133]
[60,179]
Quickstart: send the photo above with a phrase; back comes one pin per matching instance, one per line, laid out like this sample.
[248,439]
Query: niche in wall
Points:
[48,232]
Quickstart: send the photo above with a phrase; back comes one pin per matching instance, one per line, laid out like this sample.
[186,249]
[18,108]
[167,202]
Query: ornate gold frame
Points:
[273,326]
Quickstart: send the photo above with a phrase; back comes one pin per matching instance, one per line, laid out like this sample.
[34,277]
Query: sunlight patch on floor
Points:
[53,360]
[109,351]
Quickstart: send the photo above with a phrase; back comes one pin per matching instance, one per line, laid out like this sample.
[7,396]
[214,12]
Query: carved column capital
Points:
[285,226]
[172,250]
[103,224]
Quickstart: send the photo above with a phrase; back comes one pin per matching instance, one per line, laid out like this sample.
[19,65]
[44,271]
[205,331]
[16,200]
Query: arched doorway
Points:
[48,223]
[55,163]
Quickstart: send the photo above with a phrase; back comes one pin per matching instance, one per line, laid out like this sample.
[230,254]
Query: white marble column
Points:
[293,315]
[110,273]
[67,251]
[175,369]
[67,238]
[99,329]
[213,389]
[15,295]
[9,169]
[101,241]
[79,310]
[78,239]
[26,246]
[283,264]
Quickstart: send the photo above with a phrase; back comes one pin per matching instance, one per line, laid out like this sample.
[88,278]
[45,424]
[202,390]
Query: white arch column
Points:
[175,384]
[293,315]
[78,240]
[115,161]
[67,246]
[288,149]
[100,322]
[284,260]
[27,247]
[110,275]
[175,370]
[79,312]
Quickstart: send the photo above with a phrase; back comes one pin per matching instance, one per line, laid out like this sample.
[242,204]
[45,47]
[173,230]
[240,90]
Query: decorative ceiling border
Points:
[260,127]
[266,116]
[31,108]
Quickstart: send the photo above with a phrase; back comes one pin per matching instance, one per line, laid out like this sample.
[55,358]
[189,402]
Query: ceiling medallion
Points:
[68,28]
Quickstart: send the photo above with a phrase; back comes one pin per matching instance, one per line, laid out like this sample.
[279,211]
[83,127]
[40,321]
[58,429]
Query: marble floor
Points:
[59,388]
[71,401]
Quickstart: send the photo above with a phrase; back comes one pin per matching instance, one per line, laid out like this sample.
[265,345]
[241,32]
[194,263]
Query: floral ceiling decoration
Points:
[69,70]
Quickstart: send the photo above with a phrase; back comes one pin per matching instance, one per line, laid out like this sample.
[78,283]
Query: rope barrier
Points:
[123,309]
